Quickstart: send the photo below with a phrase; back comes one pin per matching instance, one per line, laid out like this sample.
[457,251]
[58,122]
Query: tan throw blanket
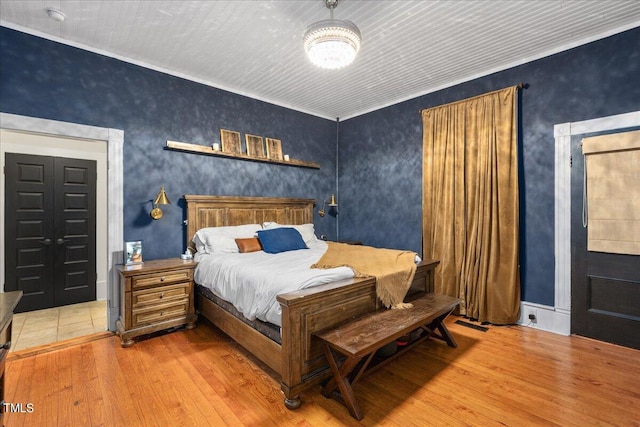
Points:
[393,269]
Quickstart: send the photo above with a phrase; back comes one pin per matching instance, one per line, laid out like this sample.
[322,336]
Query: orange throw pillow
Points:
[251,244]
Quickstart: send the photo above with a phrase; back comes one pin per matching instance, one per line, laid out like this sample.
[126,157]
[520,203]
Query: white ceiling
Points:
[255,48]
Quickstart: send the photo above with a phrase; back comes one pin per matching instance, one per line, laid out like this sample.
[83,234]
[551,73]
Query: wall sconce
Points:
[161,199]
[332,203]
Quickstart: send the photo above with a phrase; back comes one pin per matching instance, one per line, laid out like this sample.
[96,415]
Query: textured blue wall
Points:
[380,153]
[44,79]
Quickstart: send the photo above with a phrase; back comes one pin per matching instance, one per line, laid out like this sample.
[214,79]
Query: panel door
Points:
[29,229]
[605,287]
[75,231]
[50,235]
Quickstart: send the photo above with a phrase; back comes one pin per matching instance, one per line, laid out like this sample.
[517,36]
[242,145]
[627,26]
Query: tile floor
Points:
[57,324]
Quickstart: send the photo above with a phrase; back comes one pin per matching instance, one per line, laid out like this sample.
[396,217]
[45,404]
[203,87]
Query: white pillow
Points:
[199,244]
[218,240]
[307,231]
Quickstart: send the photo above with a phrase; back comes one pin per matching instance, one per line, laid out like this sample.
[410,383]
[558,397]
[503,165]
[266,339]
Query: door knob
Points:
[61,241]
[46,242]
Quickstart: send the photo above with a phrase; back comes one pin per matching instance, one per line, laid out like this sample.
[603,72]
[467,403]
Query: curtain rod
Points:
[518,86]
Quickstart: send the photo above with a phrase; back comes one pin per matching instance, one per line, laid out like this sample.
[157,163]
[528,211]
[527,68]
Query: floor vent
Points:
[472,326]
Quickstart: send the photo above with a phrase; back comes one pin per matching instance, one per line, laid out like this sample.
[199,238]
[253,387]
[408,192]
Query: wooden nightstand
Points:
[154,296]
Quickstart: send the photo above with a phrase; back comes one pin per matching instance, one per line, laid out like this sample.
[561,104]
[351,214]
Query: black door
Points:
[50,230]
[605,287]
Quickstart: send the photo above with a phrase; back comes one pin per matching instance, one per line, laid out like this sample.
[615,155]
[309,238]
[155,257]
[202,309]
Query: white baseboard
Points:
[101,290]
[548,318]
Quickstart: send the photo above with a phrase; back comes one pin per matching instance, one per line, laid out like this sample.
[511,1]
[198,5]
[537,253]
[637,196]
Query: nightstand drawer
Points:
[160,295]
[161,278]
[155,314]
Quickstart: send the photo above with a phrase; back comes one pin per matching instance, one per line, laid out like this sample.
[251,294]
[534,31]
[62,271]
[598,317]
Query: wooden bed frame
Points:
[299,361]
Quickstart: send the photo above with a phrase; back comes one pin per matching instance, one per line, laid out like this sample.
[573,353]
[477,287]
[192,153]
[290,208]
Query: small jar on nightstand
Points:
[155,296]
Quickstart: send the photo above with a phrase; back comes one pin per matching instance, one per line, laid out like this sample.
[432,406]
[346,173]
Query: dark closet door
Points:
[605,287]
[50,230]
[75,231]
[29,229]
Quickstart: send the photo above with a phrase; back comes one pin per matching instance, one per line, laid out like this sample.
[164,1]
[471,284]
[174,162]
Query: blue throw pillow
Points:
[279,240]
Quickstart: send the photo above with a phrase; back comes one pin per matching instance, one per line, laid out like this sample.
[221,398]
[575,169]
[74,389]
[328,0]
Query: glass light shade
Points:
[332,43]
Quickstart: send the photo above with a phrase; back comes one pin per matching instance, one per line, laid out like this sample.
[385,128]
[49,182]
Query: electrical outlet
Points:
[531,314]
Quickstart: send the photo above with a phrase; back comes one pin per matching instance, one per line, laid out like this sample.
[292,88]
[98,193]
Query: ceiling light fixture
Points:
[332,43]
[56,14]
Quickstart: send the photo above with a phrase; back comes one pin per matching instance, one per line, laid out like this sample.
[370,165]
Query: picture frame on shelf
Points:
[255,147]
[133,252]
[274,149]
[231,142]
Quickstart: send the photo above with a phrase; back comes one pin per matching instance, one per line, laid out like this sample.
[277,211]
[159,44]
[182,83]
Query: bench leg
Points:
[445,335]
[340,380]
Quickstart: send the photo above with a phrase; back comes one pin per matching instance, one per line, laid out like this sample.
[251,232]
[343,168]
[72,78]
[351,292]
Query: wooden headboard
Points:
[218,211]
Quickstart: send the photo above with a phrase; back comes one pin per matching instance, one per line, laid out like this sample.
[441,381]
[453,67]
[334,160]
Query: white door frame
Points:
[114,138]
[563,133]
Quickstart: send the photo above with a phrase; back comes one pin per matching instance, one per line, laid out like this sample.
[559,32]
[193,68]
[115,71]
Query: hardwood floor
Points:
[512,376]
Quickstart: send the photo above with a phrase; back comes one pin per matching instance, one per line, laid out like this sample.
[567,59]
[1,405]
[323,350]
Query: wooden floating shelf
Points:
[204,149]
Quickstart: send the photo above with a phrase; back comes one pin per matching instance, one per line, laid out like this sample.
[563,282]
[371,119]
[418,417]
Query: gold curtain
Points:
[470,203]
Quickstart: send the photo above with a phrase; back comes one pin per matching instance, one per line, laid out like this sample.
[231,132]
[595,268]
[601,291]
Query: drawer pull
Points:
[162,278]
[161,295]
[6,346]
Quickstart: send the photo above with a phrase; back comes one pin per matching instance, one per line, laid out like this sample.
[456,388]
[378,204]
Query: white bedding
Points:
[251,281]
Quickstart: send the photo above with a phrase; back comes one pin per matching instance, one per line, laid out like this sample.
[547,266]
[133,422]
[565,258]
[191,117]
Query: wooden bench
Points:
[364,336]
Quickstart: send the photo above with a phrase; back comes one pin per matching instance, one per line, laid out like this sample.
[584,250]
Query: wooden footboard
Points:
[311,310]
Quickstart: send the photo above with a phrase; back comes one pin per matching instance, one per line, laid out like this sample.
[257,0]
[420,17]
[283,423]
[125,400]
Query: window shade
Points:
[612,166]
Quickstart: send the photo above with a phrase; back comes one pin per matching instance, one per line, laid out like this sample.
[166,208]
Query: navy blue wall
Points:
[44,79]
[380,153]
